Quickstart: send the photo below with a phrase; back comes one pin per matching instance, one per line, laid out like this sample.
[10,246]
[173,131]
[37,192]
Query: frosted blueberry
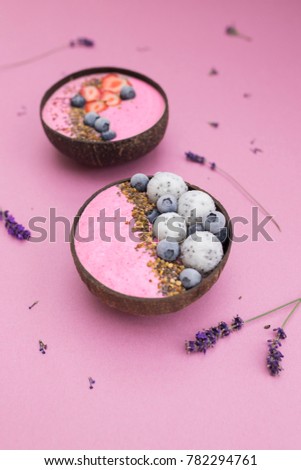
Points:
[214,221]
[222,235]
[169,251]
[153,215]
[190,277]
[198,227]
[167,203]
[139,181]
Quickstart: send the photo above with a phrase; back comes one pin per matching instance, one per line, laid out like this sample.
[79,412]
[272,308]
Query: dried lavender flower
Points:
[274,356]
[42,347]
[232,31]
[206,339]
[13,228]
[85,42]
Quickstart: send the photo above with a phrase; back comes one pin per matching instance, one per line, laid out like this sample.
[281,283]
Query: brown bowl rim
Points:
[121,296]
[96,70]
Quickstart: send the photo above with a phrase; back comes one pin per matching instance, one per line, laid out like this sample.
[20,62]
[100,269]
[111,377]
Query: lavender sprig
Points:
[91,382]
[79,42]
[213,166]
[232,31]
[42,347]
[206,339]
[274,357]
[13,228]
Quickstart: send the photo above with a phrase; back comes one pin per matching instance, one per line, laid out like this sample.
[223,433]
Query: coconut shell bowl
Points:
[104,116]
[119,243]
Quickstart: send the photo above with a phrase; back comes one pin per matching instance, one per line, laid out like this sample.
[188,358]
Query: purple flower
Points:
[42,347]
[237,323]
[195,158]
[190,346]
[280,332]
[206,339]
[13,228]
[225,330]
[85,42]
[275,356]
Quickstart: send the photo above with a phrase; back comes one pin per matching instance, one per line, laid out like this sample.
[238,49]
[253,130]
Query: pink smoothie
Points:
[117,263]
[129,118]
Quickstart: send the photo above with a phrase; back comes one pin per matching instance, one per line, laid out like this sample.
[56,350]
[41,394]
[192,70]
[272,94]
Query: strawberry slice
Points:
[96,106]
[90,93]
[110,98]
[113,82]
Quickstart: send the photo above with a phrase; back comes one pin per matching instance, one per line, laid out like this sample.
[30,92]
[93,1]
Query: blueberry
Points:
[222,234]
[198,227]
[153,215]
[214,221]
[167,203]
[169,251]
[127,92]
[190,277]
[139,181]
[90,118]
[108,135]
[78,101]
[102,125]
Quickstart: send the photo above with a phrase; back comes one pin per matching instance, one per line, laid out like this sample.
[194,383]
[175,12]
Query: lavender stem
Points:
[34,58]
[274,310]
[290,314]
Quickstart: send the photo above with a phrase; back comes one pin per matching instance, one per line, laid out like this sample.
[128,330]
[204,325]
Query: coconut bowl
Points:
[149,306]
[99,153]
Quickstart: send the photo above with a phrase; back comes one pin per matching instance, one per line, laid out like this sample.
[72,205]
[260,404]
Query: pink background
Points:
[148,393]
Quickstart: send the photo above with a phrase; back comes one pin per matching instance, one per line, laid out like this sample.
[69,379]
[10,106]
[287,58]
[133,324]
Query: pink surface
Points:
[131,117]
[148,392]
[116,263]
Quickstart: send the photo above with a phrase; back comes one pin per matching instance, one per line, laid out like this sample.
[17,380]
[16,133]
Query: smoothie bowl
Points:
[104,116]
[150,245]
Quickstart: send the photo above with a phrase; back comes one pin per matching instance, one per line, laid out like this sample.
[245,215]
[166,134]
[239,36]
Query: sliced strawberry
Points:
[110,98]
[113,82]
[90,93]
[96,106]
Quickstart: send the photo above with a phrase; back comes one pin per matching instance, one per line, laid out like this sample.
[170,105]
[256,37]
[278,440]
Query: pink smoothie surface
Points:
[110,255]
[129,118]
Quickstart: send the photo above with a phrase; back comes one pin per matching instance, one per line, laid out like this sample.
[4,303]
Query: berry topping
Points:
[139,181]
[110,98]
[78,101]
[108,135]
[102,124]
[127,92]
[113,82]
[167,203]
[169,251]
[90,93]
[90,118]
[153,215]
[190,277]
[214,221]
[96,106]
